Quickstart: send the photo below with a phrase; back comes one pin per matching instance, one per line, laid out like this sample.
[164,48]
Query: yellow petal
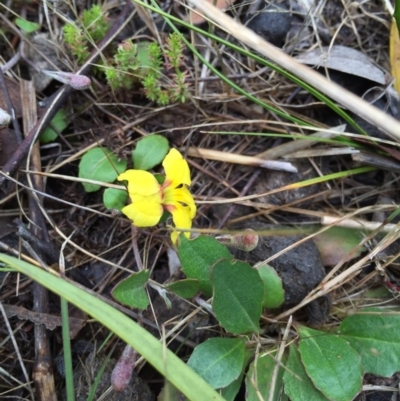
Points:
[181,217]
[174,236]
[140,182]
[144,211]
[181,195]
[176,169]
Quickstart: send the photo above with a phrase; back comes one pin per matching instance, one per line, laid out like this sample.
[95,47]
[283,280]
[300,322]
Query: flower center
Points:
[168,196]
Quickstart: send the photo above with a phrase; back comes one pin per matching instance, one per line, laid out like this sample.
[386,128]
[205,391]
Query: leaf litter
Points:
[116,120]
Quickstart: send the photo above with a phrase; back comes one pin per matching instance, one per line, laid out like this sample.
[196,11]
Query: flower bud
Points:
[122,373]
[244,241]
[75,81]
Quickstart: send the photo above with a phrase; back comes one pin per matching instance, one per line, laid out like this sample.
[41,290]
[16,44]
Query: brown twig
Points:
[42,372]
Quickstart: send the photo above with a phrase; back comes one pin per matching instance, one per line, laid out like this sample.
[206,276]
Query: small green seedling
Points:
[89,29]
[57,125]
[101,164]
[27,26]
[141,63]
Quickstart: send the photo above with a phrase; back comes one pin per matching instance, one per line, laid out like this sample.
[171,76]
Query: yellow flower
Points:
[150,199]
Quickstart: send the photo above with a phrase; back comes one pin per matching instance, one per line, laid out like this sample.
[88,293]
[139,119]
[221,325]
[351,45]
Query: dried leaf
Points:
[13,91]
[50,321]
[344,59]
[337,243]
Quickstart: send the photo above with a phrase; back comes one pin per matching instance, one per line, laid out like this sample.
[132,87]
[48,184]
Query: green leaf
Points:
[229,392]
[198,255]
[143,55]
[114,198]
[274,294]
[170,393]
[27,26]
[219,361]
[331,363]
[378,293]
[260,375]
[374,334]
[149,152]
[184,288]
[131,291]
[100,164]
[298,386]
[336,243]
[237,296]
[396,14]
[160,357]
[59,122]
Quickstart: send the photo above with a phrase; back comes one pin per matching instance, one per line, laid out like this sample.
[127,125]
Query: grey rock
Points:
[300,269]
[272,23]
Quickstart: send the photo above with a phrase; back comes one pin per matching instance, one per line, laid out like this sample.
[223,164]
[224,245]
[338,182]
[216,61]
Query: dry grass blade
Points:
[362,108]
[359,224]
[241,159]
[294,146]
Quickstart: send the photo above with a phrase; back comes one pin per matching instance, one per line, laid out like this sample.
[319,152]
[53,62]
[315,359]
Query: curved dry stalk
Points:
[383,121]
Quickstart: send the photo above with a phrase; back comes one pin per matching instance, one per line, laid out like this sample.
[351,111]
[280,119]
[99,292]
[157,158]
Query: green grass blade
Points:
[396,14]
[69,375]
[162,359]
